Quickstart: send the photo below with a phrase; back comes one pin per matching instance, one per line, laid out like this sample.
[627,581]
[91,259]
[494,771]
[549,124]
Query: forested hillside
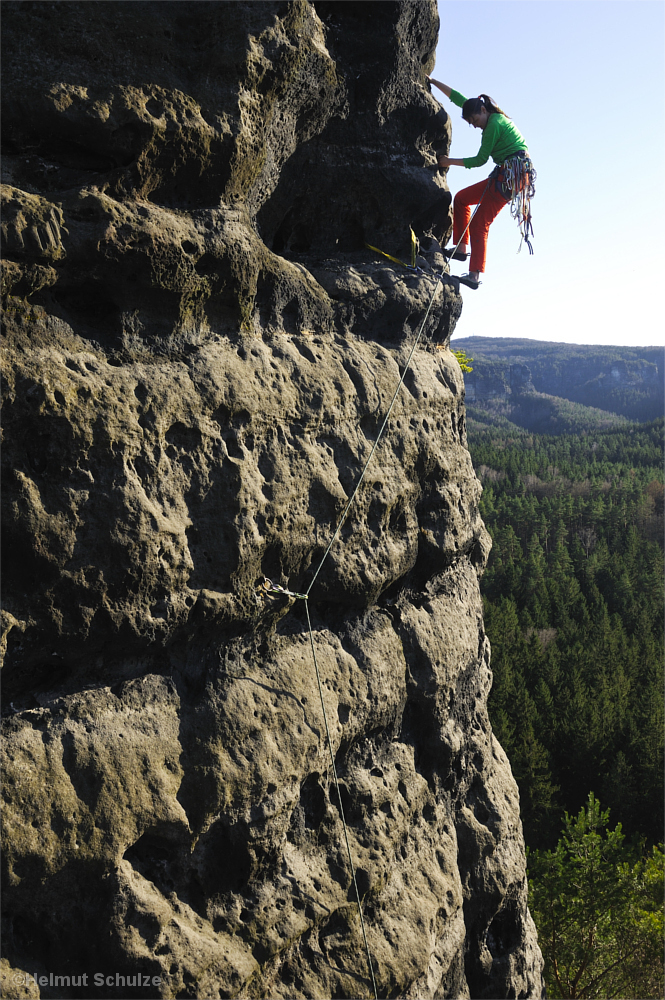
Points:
[536,411]
[623,381]
[573,598]
[573,607]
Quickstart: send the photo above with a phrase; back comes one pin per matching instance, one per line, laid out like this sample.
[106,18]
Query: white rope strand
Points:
[272,588]
[459,242]
[376,443]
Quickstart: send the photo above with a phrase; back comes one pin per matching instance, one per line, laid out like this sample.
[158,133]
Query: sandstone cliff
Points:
[199,353]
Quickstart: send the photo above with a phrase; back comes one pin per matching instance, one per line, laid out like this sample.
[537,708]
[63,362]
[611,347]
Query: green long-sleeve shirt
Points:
[501,138]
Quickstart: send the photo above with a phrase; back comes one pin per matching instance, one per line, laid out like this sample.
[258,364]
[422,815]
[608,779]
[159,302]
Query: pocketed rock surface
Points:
[199,355]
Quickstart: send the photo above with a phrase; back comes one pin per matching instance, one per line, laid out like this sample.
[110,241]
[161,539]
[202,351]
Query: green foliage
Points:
[598,909]
[573,598]
[463,361]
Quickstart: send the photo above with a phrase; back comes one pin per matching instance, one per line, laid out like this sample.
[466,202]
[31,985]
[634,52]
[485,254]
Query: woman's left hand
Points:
[449,161]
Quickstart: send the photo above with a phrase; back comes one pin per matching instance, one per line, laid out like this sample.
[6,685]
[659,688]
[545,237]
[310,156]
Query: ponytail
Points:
[475,105]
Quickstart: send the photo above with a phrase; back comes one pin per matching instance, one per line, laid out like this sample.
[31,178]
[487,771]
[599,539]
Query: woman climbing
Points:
[512,180]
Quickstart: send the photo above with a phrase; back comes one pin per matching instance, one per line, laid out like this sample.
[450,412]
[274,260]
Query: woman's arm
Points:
[491,134]
[450,92]
[442,86]
[448,161]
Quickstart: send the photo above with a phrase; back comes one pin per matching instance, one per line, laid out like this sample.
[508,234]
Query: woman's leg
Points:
[491,205]
[464,199]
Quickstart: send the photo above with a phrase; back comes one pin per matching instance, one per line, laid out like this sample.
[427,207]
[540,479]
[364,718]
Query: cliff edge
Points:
[199,353]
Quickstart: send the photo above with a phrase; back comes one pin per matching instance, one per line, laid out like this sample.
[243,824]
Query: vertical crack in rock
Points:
[199,352]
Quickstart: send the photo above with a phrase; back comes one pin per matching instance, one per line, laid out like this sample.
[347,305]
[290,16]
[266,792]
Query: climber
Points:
[511,181]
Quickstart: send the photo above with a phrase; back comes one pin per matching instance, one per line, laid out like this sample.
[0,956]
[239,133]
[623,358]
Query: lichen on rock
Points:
[200,351]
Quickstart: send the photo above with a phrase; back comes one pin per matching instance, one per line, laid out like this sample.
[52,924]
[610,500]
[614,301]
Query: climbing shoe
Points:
[466,279]
[451,254]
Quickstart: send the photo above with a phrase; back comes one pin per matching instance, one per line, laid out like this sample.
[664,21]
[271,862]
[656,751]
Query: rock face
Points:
[199,354]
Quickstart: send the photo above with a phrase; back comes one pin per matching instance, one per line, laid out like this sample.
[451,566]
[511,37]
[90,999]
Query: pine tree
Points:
[598,910]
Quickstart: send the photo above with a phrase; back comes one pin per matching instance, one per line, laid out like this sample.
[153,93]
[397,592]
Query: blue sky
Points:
[584,82]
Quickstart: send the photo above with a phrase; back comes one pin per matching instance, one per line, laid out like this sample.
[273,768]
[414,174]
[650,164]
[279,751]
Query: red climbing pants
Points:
[490,206]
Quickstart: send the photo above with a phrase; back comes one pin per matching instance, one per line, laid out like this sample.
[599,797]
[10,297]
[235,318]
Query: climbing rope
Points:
[376,443]
[473,214]
[412,266]
[311,633]
[267,590]
[517,179]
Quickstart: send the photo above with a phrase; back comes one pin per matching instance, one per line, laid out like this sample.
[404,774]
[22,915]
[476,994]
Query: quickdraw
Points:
[267,590]
[516,179]
[396,260]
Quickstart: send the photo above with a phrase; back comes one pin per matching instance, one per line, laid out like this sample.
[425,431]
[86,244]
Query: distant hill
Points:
[542,414]
[623,381]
